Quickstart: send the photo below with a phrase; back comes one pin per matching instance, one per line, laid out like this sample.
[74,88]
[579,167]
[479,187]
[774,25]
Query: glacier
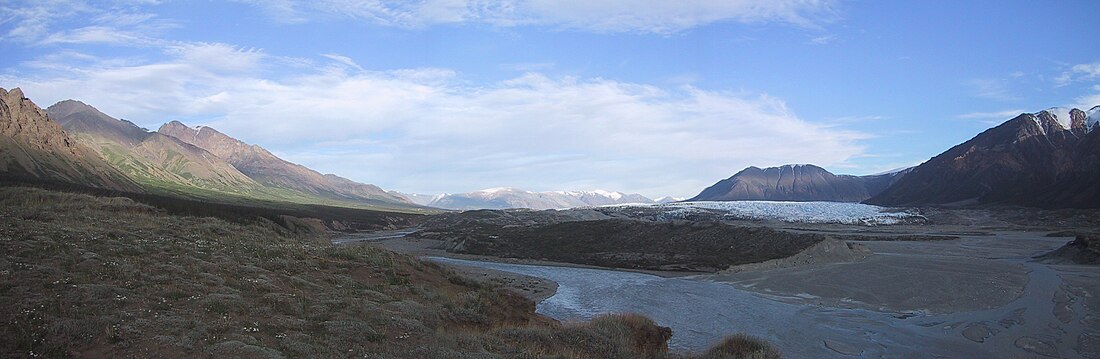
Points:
[795,212]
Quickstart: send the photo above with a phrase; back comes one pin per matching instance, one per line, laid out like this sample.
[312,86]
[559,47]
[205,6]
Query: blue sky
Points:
[655,97]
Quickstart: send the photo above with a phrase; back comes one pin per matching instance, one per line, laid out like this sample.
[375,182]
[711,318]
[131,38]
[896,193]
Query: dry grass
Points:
[101,277]
[741,346]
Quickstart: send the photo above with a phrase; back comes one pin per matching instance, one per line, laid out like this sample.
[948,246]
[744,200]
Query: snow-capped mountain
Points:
[418,198]
[1050,158]
[669,199]
[506,197]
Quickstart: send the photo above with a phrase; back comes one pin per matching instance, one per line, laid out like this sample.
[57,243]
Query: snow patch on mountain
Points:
[1092,118]
[1061,115]
[496,190]
[612,195]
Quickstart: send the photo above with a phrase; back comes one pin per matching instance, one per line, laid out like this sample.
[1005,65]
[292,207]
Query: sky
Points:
[641,96]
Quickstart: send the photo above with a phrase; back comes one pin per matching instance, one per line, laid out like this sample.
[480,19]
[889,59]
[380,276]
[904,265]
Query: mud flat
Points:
[989,289]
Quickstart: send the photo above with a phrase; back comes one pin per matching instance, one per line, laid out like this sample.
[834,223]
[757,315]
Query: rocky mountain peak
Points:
[15,93]
[29,124]
[795,182]
[1078,120]
[1058,123]
[67,107]
[78,118]
[1048,159]
[34,146]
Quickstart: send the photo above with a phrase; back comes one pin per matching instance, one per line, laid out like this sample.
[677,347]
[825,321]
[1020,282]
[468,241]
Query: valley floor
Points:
[980,295]
[88,276]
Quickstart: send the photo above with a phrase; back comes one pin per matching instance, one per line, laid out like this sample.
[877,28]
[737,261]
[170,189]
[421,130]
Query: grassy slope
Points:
[263,194]
[242,210]
[20,160]
[169,173]
[107,276]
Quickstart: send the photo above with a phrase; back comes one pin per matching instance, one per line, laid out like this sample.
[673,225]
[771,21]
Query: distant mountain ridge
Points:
[149,157]
[33,147]
[504,198]
[266,168]
[73,142]
[669,199]
[803,182]
[418,198]
[1045,159]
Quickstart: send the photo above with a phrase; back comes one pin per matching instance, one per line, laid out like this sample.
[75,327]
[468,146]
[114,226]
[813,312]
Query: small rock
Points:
[1037,346]
[977,333]
[842,348]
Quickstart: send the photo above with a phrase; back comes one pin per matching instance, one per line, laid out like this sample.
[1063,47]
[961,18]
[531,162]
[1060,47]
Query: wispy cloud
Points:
[118,22]
[991,118]
[993,89]
[344,60]
[1077,73]
[639,16]
[1090,100]
[283,11]
[822,40]
[1003,115]
[410,128]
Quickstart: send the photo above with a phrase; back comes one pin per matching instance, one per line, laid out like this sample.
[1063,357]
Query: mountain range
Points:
[418,198]
[72,142]
[150,158]
[502,198]
[33,147]
[797,183]
[269,170]
[1046,159]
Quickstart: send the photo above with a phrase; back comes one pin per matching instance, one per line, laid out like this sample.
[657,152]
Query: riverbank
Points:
[971,286]
[1048,311]
[534,288]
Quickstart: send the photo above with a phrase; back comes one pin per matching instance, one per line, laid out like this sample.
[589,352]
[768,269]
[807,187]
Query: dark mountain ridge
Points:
[796,183]
[1049,159]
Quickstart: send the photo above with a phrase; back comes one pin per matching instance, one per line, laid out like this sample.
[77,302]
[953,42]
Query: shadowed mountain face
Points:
[502,198]
[1048,159]
[36,148]
[796,183]
[267,169]
[151,158]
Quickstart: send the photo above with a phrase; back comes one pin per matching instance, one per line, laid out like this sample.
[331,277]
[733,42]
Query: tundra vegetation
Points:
[84,275]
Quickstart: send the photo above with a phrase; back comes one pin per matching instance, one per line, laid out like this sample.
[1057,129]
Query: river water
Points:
[701,312]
